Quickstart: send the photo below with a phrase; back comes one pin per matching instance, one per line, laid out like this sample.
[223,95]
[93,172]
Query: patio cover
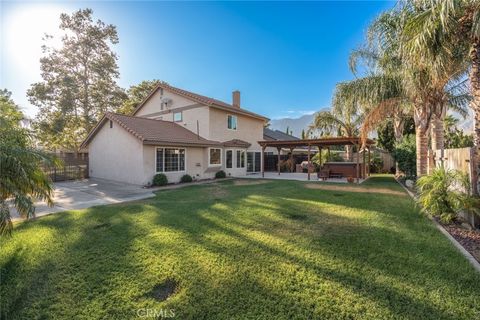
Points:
[319,143]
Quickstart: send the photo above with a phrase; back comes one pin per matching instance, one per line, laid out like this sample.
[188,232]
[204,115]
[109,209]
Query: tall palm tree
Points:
[343,120]
[420,87]
[450,24]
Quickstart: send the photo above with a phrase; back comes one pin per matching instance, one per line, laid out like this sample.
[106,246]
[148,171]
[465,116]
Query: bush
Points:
[186,178]
[405,155]
[160,179]
[220,174]
[376,164]
[438,193]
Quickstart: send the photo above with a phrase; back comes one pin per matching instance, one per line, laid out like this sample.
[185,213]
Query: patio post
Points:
[278,162]
[358,164]
[364,171]
[320,155]
[262,165]
[369,162]
[291,159]
[308,162]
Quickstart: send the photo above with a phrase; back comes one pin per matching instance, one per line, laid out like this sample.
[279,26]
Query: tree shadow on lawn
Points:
[79,276]
[398,302]
[227,255]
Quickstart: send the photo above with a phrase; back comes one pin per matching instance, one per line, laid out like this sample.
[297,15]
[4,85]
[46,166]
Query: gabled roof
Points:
[269,134]
[211,102]
[153,132]
[236,143]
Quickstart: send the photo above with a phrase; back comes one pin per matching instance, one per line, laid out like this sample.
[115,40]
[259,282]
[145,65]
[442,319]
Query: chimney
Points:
[236,98]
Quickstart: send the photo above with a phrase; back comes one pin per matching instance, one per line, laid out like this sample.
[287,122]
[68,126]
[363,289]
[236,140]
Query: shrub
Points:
[405,155]
[160,179]
[376,164]
[438,193]
[186,178]
[220,174]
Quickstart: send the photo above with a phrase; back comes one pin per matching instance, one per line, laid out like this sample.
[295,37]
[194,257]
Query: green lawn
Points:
[275,250]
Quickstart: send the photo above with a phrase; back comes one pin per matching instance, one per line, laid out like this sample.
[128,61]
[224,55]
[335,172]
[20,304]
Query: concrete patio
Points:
[71,195]
[296,176]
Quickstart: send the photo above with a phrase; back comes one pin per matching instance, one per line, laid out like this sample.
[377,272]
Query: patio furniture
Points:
[336,175]
[323,175]
[344,169]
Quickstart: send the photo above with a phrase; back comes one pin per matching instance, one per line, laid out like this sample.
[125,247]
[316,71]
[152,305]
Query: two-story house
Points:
[176,132]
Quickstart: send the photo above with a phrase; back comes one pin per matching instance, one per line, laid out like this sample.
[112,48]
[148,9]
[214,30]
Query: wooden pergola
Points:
[320,144]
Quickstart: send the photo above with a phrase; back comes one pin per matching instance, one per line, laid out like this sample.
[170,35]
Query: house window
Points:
[229,159]
[177,116]
[170,160]
[111,124]
[215,157]
[232,122]
[240,159]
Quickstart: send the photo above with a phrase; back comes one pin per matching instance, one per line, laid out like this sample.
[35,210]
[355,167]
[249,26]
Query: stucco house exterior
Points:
[176,132]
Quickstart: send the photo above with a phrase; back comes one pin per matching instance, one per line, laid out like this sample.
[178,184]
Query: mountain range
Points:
[296,125]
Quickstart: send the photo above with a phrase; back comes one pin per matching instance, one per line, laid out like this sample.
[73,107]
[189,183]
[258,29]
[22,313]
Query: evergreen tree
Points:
[79,81]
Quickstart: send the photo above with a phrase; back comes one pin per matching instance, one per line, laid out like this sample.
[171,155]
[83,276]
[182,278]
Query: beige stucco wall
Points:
[248,129]
[195,158]
[191,112]
[153,105]
[115,154]
[212,125]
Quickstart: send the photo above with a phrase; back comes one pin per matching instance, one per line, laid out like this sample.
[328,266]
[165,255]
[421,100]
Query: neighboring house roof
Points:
[200,99]
[269,134]
[236,143]
[153,132]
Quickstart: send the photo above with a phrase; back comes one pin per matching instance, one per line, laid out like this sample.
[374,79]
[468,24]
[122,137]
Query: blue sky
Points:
[284,57]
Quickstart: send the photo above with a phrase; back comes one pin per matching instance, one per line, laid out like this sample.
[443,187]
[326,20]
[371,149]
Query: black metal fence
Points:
[72,167]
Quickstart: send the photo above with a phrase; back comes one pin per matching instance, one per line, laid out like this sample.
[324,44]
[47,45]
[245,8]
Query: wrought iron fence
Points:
[72,167]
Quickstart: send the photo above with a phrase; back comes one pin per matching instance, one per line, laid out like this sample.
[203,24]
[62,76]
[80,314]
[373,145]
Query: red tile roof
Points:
[153,132]
[199,99]
[236,143]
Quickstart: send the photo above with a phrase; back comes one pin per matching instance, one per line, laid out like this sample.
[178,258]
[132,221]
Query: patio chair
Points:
[323,174]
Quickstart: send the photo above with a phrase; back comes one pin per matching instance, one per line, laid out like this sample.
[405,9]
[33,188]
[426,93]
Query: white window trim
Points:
[232,115]
[244,159]
[221,158]
[181,116]
[167,172]
[233,158]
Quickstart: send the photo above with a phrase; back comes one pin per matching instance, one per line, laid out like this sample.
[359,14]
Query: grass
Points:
[237,250]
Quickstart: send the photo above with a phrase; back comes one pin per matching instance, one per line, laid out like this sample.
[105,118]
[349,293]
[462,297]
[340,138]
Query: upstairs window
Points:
[177,117]
[232,122]
[215,157]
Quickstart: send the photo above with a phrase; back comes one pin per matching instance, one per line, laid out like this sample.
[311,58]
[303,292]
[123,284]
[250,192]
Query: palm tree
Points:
[21,178]
[343,120]
[401,83]
[452,25]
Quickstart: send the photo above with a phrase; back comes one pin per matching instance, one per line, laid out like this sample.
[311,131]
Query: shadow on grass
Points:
[243,255]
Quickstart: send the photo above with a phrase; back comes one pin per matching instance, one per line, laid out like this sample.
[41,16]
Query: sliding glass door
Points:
[254,160]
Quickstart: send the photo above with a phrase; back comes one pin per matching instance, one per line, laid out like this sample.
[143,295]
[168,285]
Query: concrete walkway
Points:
[72,195]
[88,193]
